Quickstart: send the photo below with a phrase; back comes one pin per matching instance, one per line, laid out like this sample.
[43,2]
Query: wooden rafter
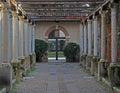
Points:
[51,10]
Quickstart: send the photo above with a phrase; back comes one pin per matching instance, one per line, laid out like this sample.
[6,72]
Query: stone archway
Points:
[67,37]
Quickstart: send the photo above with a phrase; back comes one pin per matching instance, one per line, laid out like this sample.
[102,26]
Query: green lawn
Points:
[53,54]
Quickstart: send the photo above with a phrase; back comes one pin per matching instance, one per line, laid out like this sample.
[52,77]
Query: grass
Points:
[29,71]
[14,87]
[103,85]
[53,54]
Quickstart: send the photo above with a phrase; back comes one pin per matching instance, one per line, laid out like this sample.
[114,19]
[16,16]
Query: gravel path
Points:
[59,78]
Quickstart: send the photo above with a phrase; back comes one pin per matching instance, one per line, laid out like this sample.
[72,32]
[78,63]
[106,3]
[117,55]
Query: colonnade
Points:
[17,43]
[93,53]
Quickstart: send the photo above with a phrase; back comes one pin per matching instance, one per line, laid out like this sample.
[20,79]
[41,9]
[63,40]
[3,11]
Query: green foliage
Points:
[71,51]
[52,54]
[40,48]
[26,73]
[51,45]
[62,44]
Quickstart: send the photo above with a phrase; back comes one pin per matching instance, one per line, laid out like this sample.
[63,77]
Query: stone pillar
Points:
[101,64]
[15,37]
[33,44]
[89,37]
[30,38]
[10,33]
[15,46]
[94,62]
[85,39]
[115,68]
[114,33]
[90,45]
[21,44]
[5,68]
[21,37]
[33,39]
[26,44]
[81,43]
[95,36]
[0,37]
[30,41]
[81,39]
[85,45]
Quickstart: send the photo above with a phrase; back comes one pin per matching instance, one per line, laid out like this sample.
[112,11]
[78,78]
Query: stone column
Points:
[90,44]
[81,39]
[81,44]
[26,36]
[33,44]
[85,45]
[5,68]
[26,44]
[85,39]
[30,39]
[33,39]
[0,37]
[10,35]
[15,46]
[114,11]
[15,37]
[95,36]
[101,64]
[21,43]
[21,37]
[89,36]
[114,64]
[103,34]
[94,63]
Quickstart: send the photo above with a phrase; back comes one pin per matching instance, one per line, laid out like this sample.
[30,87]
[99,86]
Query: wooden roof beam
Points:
[38,2]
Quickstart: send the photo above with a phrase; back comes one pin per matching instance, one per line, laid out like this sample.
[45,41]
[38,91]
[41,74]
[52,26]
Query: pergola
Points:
[59,10]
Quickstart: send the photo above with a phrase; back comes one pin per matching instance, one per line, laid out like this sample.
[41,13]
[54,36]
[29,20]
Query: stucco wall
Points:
[71,27]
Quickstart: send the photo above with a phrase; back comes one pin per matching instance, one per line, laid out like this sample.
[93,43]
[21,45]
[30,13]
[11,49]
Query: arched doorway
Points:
[57,37]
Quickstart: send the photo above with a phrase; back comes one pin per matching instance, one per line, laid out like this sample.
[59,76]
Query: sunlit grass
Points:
[53,54]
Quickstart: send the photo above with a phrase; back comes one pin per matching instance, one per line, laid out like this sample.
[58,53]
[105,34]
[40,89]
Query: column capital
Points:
[21,17]
[14,13]
[95,17]
[113,5]
[103,12]
[30,23]
[89,21]
[26,20]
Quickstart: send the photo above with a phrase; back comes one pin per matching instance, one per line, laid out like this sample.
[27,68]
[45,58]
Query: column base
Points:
[16,69]
[115,74]
[27,63]
[84,60]
[94,65]
[22,66]
[33,59]
[6,76]
[102,69]
[88,62]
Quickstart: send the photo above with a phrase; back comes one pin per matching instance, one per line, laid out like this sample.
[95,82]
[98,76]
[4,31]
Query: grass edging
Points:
[103,83]
[14,82]
[3,90]
[29,71]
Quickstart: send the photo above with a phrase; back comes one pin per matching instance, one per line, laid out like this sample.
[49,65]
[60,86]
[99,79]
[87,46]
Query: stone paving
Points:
[59,78]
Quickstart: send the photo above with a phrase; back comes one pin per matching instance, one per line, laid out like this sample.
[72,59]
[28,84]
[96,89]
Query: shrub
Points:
[71,52]
[40,48]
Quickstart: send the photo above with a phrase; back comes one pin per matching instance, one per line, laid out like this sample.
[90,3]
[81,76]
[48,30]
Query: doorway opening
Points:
[56,42]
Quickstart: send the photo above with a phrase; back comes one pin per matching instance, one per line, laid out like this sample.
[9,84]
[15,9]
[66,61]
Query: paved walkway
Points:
[59,78]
